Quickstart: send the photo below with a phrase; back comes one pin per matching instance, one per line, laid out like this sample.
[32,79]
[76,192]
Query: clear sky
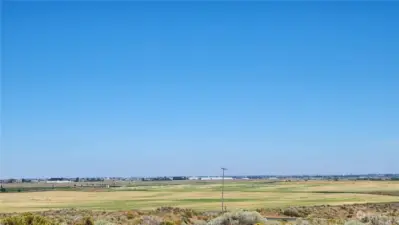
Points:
[182,88]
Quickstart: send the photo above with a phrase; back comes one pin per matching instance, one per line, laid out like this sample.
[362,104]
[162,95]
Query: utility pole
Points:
[223,169]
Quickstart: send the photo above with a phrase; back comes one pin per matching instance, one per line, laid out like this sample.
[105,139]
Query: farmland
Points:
[202,195]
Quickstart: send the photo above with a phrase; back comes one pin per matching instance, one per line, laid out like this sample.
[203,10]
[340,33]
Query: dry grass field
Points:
[205,195]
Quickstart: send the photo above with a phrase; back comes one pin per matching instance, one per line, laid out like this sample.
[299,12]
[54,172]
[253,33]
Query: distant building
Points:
[216,178]
[58,181]
[179,178]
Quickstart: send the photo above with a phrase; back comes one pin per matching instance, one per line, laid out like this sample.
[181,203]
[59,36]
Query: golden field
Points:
[205,195]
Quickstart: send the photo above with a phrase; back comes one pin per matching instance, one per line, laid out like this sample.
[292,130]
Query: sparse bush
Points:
[136,221]
[87,220]
[27,219]
[167,223]
[150,220]
[382,220]
[185,220]
[353,222]
[130,215]
[292,212]
[351,211]
[360,215]
[188,214]
[300,221]
[336,221]
[273,222]
[103,222]
[238,218]
[318,221]
[199,222]
[318,215]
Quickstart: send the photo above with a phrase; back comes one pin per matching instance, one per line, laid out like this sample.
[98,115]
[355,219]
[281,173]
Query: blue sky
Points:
[183,88]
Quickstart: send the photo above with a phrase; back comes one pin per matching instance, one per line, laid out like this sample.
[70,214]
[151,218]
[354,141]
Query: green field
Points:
[205,195]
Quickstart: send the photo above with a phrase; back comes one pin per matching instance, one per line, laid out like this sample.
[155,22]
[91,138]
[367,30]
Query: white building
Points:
[216,178]
[58,181]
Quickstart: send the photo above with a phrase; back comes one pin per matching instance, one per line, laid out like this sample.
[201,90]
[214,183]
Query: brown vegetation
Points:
[333,212]
[230,218]
[362,214]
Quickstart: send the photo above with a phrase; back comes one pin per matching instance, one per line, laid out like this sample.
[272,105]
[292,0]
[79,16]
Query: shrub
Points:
[179,222]
[185,220]
[167,223]
[300,221]
[103,222]
[137,221]
[129,215]
[318,221]
[199,222]
[382,220]
[353,222]
[238,218]
[85,221]
[26,219]
[292,212]
[188,214]
[150,220]
[273,222]
[360,215]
